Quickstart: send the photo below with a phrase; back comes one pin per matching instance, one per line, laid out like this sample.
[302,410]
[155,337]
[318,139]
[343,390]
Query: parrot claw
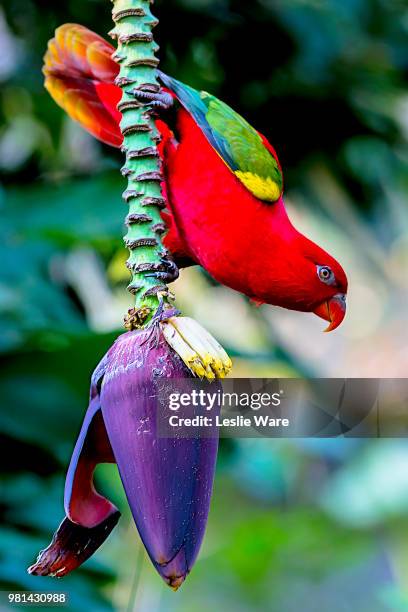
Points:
[169,273]
[158,102]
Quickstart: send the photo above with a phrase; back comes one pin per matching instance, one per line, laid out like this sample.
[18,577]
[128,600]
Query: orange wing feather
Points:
[79,74]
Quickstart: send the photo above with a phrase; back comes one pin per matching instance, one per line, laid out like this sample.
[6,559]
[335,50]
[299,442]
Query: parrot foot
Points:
[158,102]
[169,271]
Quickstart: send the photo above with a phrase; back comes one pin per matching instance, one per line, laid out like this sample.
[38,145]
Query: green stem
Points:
[136,57]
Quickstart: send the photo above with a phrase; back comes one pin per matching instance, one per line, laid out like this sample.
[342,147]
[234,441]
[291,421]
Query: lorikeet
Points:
[223,182]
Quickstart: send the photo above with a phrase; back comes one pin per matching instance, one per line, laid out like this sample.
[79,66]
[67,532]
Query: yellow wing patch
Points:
[262,188]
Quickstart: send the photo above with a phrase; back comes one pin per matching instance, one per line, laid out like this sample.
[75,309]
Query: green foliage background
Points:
[300,525]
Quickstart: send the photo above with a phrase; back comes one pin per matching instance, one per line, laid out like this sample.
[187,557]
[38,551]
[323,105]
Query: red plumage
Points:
[215,221]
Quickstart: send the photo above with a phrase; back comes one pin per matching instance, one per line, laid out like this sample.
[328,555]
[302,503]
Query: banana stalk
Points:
[135,54]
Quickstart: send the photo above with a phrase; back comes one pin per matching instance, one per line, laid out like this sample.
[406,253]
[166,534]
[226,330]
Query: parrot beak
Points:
[333,310]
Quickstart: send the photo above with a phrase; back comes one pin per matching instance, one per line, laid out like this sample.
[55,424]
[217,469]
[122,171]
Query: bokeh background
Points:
[295,525]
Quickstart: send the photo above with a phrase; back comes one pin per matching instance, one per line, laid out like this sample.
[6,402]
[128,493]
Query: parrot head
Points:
[330,282]
[301,276]
[317,282]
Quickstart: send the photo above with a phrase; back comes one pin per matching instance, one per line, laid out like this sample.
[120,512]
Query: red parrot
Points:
[223,182]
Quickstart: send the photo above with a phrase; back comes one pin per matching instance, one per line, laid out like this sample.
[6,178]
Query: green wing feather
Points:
[237,142]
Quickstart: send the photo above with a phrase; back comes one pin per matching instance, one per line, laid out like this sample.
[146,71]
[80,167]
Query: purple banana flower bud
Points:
[168,481]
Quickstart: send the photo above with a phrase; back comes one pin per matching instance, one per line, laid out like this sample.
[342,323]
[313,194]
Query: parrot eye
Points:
[325,274]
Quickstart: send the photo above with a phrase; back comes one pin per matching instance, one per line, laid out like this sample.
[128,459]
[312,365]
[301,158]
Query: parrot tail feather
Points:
[79,75]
